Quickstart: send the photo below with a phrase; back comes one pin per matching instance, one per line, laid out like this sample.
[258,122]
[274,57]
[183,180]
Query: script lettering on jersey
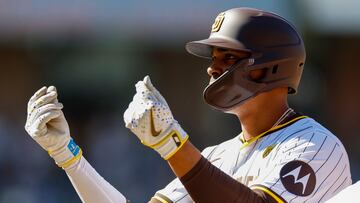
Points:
[247,179]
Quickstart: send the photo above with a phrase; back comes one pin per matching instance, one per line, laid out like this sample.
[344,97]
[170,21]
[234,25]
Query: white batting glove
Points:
[150,119]
[47,125]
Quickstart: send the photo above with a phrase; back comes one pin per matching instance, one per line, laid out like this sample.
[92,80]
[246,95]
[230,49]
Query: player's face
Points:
[222,59]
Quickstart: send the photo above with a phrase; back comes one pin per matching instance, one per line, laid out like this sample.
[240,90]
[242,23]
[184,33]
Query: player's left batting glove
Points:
[47,125]
[150,119]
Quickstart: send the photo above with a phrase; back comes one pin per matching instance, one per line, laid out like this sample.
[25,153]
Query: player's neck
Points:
[260,122]
[260,117]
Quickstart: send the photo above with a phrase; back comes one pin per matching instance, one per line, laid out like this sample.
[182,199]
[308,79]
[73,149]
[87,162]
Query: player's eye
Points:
[213,58]
[230,57]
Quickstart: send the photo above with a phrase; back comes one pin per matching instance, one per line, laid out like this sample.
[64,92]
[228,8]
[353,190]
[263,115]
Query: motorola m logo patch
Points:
[298,178]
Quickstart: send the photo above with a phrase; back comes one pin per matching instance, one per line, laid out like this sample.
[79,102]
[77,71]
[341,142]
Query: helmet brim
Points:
[203,48]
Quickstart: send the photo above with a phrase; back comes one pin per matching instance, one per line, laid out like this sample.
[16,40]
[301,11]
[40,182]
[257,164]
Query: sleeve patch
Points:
[298,178]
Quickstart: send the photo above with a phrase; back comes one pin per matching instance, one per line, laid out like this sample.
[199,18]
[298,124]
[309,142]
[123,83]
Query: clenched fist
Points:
[47,125]
[149,117]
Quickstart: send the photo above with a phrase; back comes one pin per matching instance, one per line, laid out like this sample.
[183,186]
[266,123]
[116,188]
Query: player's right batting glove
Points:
[150,119]
[47,125]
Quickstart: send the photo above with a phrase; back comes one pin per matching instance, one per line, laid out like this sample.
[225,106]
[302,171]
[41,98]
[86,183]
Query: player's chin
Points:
[242,108]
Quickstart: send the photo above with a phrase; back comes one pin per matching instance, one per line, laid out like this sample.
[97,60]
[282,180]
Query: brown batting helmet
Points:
[273,44]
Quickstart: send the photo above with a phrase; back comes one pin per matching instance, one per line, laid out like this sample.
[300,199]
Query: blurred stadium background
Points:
[95,51]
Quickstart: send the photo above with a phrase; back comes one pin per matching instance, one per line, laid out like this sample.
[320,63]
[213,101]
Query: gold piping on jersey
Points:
[275,196]
[271,130]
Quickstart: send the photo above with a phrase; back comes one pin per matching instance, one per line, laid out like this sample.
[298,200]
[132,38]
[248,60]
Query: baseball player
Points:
[280,155]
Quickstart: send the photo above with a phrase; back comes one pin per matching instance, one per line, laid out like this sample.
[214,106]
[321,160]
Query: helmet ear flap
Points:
[258,75]
[268,70]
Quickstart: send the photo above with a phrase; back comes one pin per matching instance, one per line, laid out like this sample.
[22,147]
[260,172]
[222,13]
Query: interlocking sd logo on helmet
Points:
[218,21]
[273,44]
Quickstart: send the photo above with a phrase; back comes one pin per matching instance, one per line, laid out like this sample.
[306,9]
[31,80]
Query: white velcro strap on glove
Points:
[150,119]
[47,125]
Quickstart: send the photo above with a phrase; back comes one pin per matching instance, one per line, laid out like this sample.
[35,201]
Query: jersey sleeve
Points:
[350,193]
[308,168]
[175,191]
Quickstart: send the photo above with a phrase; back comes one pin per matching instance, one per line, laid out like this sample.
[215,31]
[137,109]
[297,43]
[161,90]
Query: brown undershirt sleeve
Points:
[206,183]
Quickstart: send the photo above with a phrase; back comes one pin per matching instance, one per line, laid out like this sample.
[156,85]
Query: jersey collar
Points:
[292,120]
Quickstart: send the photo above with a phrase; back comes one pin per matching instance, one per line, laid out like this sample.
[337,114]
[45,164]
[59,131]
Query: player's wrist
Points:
[68,155]
[173,141]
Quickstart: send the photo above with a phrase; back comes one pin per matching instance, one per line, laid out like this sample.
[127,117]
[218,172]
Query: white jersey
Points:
[349,194]
[299,161]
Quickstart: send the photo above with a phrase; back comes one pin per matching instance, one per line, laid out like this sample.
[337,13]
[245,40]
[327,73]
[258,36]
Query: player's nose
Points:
[214,71]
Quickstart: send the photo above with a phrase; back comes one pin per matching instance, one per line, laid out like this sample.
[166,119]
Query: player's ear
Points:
[258,75]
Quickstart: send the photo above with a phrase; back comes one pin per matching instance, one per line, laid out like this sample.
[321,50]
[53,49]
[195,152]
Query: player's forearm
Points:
[90,186]
[47,125]
[185,159]
[206,183]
